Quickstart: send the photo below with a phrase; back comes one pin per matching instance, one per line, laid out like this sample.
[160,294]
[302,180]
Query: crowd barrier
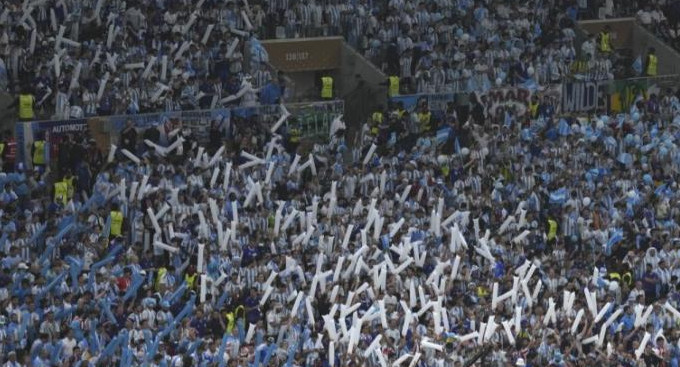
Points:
[574,96]
[313,119]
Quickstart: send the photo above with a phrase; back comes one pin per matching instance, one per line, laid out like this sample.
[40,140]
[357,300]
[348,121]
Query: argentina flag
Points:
[637,65]
[626,159]
[443,135]
[615,237]
[563,128]
[257,51]
[558,196]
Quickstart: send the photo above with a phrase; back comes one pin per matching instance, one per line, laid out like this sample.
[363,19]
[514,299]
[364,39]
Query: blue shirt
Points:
[270,94]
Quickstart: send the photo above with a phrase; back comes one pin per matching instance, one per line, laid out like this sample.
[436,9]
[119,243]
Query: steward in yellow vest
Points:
[39,147]
[377,118]
[393,88]
[326,87]
[552,229]
[482,292]
[116,222]
[605,44]
[533,107]
[26,101]
[233,316]
[425,118]
[652,63]
[160,277]
[70,186]
[191,280]
[61,192]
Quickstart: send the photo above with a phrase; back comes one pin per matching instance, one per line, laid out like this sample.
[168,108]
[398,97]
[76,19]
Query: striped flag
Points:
[508,119]
[558,196]
[563,128]
[615,237]
[443,135]
[637,65]
[625,159]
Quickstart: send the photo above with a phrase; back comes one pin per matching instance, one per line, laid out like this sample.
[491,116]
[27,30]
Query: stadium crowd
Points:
[86,58]
[434,240]
[472,247]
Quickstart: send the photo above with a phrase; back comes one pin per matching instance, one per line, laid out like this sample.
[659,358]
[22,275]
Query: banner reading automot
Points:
[312,119]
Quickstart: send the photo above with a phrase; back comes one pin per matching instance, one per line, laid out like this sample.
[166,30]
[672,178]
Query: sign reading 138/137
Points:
[297,56]
[306,54]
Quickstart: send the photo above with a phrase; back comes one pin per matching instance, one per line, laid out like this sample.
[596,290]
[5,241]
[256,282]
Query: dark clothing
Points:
[478,114]
[152,134]
[129,139]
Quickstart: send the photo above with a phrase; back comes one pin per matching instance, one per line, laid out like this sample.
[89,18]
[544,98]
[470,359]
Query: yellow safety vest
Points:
[39,152]
[652,66]
[627,278]
[394,86]
[26,107]
[61,192]
[232,316]
[116,222]
[605,42]
[533,109]
[294,136]
[377,117]
[69,187]
[327,87]
[161,271]
[552,229]
[191,280]
[614,276]
[230,322]
[424,119]
[2,148]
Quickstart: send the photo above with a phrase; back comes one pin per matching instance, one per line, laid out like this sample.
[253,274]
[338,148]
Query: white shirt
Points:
[644,17]
[68,344]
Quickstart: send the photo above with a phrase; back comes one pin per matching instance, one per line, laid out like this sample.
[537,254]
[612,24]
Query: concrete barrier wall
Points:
[628,34]
[622,30]
[357,81]
[360,86]
[669,58]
